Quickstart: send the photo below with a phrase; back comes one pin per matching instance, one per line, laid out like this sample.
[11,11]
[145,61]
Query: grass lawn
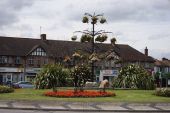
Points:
[121,96]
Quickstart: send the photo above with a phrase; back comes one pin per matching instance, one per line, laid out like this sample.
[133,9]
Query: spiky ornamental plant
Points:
[134,76]
[51,76]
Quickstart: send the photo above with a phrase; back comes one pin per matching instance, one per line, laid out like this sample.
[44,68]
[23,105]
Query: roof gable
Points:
[37,51]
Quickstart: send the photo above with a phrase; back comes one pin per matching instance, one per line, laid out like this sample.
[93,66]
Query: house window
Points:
[39,52]
[147,65]
[31,61]
[18,60]
[45,61]
[3,59]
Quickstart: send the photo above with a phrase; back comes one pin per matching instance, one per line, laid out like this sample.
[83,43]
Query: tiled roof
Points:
[163,63]
[23,46]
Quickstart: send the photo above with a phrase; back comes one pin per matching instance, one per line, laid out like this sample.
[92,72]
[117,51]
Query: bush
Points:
[6,89]
[81,74]
[134,76]
[51,76]
[165,92]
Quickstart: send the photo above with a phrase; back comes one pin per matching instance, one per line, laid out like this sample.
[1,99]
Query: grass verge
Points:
[121,96]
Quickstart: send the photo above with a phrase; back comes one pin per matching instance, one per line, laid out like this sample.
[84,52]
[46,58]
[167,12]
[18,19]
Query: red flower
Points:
[71,93]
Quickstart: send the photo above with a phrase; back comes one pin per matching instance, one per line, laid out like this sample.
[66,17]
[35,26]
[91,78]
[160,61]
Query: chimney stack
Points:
[163,59]
[43,37]
[146,51]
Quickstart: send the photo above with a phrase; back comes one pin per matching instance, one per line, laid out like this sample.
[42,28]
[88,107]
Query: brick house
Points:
[162,68]
[22,58]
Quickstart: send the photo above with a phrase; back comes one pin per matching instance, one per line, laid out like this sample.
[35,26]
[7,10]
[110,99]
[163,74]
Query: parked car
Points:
[23,84]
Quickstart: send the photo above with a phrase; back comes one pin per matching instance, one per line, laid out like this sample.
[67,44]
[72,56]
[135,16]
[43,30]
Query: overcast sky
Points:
[138,23]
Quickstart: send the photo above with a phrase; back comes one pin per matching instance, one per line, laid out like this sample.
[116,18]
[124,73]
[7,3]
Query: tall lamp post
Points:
[92,36]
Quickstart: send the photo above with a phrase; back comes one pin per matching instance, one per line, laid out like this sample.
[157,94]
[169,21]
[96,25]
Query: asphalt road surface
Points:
[36,111]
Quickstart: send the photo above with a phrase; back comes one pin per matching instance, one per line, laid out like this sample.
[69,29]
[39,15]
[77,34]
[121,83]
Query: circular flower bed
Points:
[71,93]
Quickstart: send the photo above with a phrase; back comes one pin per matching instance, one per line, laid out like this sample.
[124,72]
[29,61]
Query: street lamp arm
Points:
[88,14]
[87,31]
[107,32]
[84,32]
[93,15]
[99,15]
[101,32]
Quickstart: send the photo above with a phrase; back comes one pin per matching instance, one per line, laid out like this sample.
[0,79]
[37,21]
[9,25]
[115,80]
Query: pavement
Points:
[84,106]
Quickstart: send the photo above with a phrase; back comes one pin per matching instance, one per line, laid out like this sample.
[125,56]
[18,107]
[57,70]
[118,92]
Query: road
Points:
[36,111]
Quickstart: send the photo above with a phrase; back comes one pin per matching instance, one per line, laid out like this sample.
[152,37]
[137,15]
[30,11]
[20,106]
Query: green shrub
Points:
[81,74]
[134,76]
[51,76]
[6,89]
[165,92]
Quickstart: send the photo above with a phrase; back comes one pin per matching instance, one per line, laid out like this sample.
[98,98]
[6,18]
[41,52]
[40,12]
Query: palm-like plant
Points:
[51,76]
[134,76]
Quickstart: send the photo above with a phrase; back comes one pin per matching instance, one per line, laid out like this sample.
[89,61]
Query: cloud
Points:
[117,10]
[9,10]
[137,10]
[159,36]
[159,53]
[139,23]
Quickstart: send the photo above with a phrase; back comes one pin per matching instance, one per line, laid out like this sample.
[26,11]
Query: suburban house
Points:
[162,66]
[162,70]
[22,58]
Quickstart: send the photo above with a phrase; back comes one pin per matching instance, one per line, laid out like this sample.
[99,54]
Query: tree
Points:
[51,76]
[92,36]
[80,74]
[134,76]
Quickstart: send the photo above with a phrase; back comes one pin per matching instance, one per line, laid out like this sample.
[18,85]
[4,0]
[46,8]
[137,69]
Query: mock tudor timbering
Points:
[22,58]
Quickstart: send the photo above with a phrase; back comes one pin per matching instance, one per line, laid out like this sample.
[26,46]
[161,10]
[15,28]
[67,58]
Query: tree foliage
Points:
[51,76]
[80,74]
[134,76]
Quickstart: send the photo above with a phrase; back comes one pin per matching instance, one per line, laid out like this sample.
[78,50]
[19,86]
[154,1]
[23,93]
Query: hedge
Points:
[165,92]
[6,89]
